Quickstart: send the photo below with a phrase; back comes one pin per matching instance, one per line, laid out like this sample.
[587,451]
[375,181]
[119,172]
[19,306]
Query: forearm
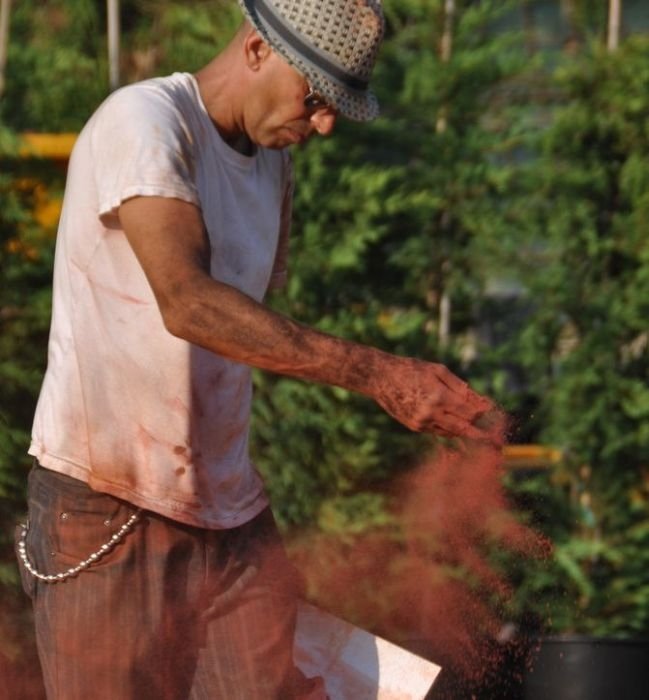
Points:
[227,322]
[421,395]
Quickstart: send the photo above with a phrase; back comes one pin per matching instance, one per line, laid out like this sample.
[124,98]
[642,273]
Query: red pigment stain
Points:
[427,582]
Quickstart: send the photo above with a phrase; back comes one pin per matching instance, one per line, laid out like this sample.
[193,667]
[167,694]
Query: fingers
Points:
[469,413]
[456,410]
[493,421]
[490,430]
[461,396]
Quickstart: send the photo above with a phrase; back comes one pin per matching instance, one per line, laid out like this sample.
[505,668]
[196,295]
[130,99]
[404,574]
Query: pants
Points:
[171,612]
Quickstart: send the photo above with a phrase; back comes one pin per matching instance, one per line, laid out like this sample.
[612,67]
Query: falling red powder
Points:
[427,582]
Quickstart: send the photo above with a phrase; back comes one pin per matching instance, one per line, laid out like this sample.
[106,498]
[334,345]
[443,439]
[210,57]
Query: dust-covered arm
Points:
[169,240]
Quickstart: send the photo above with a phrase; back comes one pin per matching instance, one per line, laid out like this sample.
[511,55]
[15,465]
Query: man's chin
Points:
[284,139]
[294,137]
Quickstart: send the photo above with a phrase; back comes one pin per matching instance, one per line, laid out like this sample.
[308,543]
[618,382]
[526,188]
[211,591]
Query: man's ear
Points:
[256,50]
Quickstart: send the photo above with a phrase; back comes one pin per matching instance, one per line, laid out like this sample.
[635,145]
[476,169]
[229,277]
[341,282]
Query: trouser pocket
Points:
[70,527]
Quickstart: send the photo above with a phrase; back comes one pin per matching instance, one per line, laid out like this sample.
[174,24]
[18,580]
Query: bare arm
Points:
[171,244]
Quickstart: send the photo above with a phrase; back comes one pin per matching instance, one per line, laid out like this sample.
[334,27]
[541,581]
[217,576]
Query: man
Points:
[151,556]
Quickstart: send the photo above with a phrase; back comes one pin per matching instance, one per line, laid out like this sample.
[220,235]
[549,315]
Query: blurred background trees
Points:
[583,252]
[493,219]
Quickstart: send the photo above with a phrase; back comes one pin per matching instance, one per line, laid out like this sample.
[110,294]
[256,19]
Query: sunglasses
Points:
[314,101]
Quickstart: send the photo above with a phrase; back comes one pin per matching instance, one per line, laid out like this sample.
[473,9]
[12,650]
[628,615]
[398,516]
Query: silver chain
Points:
[73,571]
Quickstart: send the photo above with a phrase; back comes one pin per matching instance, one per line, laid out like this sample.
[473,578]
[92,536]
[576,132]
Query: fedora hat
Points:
[333,43]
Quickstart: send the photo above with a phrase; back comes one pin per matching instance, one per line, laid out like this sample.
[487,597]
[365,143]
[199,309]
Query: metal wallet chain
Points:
[92,559]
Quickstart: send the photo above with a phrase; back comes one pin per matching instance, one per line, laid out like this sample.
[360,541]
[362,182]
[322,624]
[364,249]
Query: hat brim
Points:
[357,105]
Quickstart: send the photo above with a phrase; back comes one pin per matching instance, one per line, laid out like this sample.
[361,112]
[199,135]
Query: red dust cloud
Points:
[426,582]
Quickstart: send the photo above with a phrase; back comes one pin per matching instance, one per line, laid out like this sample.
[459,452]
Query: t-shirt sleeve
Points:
[280,266]
[141,146]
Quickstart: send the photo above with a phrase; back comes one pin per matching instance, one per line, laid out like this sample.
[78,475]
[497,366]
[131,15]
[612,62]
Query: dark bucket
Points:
[588,668]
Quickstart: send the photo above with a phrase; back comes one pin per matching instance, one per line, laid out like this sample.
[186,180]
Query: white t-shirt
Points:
[125,406]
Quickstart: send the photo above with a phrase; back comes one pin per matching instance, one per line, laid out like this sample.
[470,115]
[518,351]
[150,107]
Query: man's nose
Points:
[324,121]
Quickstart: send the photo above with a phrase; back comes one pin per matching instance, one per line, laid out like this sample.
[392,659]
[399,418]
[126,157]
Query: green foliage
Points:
[57,64]
[25,278]
[176,36]
[585,263]
[317,447]
[56,69]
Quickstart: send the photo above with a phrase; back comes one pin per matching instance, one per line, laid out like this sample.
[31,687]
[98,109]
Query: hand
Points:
[428,397]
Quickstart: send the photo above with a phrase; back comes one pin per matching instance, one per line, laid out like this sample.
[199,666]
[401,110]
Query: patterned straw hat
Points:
[332,42]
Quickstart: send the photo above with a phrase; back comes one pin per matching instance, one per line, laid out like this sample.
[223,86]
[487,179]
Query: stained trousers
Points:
[170,612]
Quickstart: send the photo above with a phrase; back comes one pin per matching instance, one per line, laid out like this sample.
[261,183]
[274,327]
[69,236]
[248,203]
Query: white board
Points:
[355,664]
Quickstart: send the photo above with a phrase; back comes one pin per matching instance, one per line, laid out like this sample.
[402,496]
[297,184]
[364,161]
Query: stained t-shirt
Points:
[125,406]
